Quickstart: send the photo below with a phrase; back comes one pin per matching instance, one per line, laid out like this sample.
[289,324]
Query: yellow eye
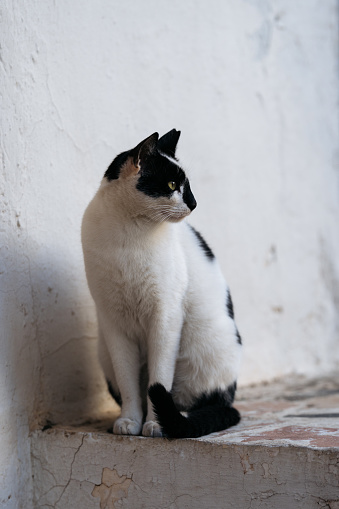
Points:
[172,185]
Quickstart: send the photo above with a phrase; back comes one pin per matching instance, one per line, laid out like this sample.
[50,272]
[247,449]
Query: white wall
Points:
[253,86]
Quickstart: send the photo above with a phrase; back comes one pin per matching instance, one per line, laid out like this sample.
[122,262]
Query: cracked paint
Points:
[71,473]
[108,472]
[290,465]
[245,463]
[112,488]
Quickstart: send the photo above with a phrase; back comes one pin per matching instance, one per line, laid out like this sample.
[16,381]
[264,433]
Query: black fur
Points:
[113,171]
[115,395]
[230,312]
[188,196]
[155,174]
[216,397]
[238,337]
[143,150]
[203,244]
[229,304]
[209,413]
[156,170]
[168,143]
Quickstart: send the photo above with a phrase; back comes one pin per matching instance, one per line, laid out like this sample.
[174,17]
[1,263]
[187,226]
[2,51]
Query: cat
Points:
[168,342]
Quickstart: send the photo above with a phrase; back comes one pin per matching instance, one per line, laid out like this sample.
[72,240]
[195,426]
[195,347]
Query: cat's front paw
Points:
[151,429]
[125,426]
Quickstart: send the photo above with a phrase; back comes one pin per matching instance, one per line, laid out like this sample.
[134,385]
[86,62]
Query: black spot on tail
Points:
[203,244]
[209,413]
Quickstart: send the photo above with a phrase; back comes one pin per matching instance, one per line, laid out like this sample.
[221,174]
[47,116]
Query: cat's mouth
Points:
[176,217]
[173,217]
[167,213]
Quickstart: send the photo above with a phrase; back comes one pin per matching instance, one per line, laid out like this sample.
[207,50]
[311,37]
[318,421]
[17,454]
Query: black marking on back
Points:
[239,341]
[115,395]
[210,413]
[230,312]
[113,171]
[229,304]
[203,244]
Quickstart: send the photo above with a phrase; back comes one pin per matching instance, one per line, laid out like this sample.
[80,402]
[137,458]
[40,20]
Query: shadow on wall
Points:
[67,381]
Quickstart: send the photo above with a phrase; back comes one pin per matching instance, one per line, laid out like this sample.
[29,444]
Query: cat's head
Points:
[151,179]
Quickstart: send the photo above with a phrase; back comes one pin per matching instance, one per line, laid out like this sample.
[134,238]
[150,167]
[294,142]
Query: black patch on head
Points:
[143,150]
[113,171]
[203,244]
[115,395]
[229,304]
[156,172]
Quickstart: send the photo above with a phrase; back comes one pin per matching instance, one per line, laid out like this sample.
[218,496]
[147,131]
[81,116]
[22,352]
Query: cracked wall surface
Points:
[104,472]
[253,86]
[283,454]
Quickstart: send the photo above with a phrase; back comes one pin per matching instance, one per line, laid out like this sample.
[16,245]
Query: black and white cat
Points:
[167,338]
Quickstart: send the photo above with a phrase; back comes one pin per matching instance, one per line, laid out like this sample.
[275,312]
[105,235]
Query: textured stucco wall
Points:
[253,85]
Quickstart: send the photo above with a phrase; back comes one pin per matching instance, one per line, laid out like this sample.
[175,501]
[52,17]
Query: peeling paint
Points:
[266,461]
[116,472]
[112,488]
[245,463]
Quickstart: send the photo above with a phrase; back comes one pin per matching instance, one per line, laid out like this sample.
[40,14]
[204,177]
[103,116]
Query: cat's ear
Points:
[168,142]
[145,149]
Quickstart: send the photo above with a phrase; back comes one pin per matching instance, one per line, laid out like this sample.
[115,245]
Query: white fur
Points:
[172,159]
[160,301]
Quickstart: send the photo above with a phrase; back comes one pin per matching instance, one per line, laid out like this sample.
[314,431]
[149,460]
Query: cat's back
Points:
[199,256]
[207,286]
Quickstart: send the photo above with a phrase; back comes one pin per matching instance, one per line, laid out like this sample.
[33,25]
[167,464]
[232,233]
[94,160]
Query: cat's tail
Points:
[212,413]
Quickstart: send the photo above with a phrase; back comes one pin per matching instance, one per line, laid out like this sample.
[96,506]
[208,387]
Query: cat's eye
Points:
[172,185]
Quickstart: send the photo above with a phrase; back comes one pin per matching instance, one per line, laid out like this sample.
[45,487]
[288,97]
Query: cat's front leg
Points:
[163,346]
[124,354]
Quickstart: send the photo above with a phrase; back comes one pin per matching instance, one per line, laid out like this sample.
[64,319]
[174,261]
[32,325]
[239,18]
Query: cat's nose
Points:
[188,197]
[192,204]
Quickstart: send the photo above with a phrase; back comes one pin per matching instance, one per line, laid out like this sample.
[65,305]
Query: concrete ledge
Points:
[276,458]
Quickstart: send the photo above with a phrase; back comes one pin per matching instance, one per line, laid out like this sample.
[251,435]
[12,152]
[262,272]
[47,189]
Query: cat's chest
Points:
[133,278]
[138,282]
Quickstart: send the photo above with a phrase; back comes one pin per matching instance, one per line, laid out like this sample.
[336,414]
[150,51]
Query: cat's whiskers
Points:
[160,213]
